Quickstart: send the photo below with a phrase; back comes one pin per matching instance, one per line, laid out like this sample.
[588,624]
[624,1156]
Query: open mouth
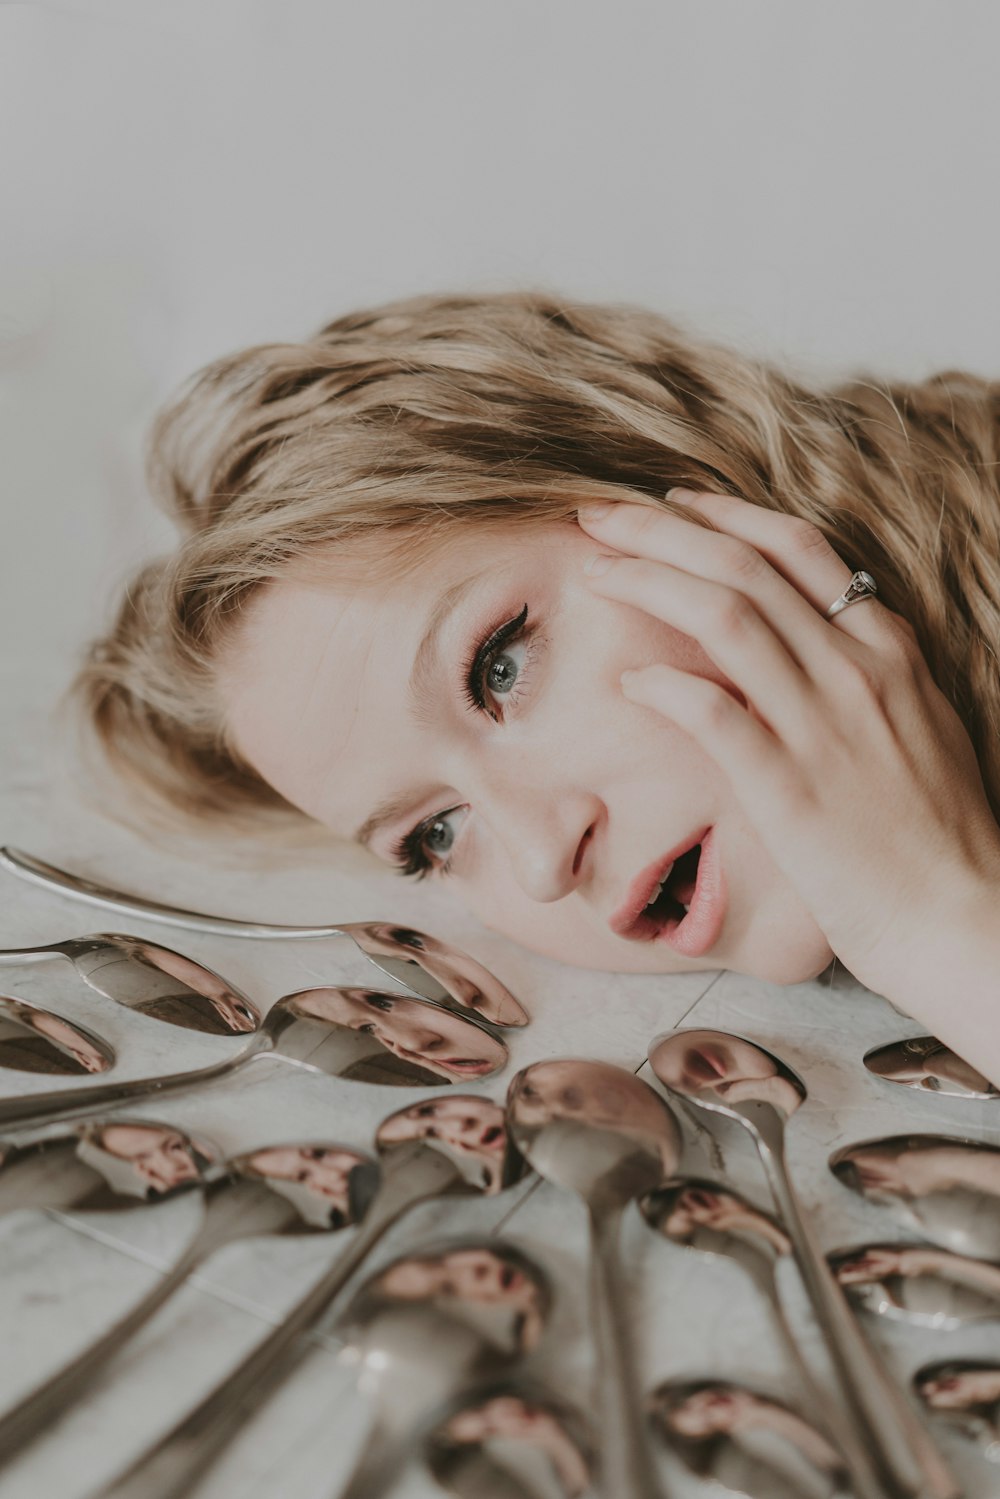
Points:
[492,1136]
[671,899]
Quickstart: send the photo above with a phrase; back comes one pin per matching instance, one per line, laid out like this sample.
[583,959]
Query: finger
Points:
[650,532]
[761,773]
[795,548]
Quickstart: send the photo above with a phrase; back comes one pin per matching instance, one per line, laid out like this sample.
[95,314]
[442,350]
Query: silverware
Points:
[919,1283]
[154,980]
[947,1188]
[139,1158]
[606,1135]
[428,1328]
[751,1443]
[733,1077]
[427,966]
[416,1169]
[925,1062]
[712,1219]
[342,1032]
[33,1039]
[511,1441]
[967,1393]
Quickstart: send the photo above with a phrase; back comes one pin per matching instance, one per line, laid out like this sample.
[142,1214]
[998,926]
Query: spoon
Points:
[139,1158]
[606,1135]
[511,1442]
[925,1062]
[154,980]
[947,1188]
[37,1040]
[342,1032]
[734,1077]
[429,967]
[428,1328]
[752,1443]
[919,1283]
[966,1391]
[416,1169]
[713,1219]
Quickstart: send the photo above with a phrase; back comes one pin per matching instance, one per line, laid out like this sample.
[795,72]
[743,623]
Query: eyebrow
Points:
[421,686]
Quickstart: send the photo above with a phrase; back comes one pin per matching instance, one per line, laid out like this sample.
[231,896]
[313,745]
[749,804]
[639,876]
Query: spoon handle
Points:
[626,1463]
[909,1464]
[229,1216]
[171,1466]
[50,877]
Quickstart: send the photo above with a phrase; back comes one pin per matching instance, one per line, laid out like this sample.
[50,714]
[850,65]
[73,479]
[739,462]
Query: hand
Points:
[851,763]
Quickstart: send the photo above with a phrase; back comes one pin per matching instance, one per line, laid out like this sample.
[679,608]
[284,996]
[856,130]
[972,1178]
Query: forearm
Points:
[949,980]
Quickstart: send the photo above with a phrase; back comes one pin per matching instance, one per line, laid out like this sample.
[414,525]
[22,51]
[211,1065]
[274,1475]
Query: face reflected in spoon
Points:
[143,1158]
[328,1184]
[438,971]
[37,1040]
[968,1386]
[919,1283]
[470,1278]
[512,1418]
[469,1128]
[714,1065]
[925,1062]
[693,1415]
[421,1034]
[682,1209]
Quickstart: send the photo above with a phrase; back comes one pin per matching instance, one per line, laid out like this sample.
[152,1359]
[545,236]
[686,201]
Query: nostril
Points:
[580,851]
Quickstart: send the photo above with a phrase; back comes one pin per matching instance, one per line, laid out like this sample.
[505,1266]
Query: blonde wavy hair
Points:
[391,425]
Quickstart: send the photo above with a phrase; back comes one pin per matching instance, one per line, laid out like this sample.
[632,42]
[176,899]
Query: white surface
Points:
[184,178]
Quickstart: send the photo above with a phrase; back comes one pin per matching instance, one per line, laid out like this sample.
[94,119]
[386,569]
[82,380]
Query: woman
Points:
[390,615]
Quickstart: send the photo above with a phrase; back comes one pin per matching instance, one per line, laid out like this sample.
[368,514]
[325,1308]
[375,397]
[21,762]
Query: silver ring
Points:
[861,586]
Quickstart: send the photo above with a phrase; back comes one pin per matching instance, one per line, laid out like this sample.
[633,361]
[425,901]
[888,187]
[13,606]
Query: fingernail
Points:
[682,496]
[595,511]
[597,564]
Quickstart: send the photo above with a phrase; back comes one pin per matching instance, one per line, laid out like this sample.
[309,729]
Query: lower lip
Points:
[698,932]
[474,1069]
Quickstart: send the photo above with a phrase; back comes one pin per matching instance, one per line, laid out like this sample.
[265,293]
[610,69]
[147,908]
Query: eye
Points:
[367,1029]
[378,1002]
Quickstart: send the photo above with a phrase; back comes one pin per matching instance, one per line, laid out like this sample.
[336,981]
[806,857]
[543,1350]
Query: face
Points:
[962,1389]
[472,1125]
[424,1034]
[517,770]
[322,1171]
[161,1157]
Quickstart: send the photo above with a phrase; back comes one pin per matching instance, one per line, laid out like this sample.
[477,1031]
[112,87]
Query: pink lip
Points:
[626,921]
[701,928]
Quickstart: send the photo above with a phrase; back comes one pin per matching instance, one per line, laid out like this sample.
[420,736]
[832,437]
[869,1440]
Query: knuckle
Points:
[860,681]
[712,708]
[743,561]
[805,539]
[733,614]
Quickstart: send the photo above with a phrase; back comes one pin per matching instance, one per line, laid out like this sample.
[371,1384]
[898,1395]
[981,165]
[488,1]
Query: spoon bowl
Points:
[926,1063]
[919,1283]
[153,980]
[36,1040]
[965,1392]
[512,1441]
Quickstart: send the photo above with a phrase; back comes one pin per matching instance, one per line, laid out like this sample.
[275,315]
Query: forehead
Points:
[313,680]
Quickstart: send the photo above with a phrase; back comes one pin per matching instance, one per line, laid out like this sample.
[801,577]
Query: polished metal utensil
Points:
[154,980]
[967,1393]
[428,1328]
[415,1169]
[734,1077]
[946,1187]
[712,1219]
[367,1035]
[138,1158]
[512,1441]
[427,966]
[919,1283]
[925,1062]
[751,1443]
[33,1039]
[601,1132]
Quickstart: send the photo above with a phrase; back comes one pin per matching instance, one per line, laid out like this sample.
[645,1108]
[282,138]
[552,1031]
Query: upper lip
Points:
[640,892]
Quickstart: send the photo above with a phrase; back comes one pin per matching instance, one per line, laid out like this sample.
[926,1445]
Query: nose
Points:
[543,826]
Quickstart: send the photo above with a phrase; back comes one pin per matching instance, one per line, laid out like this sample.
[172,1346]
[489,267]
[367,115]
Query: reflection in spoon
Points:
[429,967]
[967,1391]
[470,1128]
[603,1133]
[917,1283]
[37,1040]
[429,1326]
[948,1188]
[511,1441]
[414,1170]
[735,1077]
[746,1440]
[925,1062]
[365,1035]
[154,980]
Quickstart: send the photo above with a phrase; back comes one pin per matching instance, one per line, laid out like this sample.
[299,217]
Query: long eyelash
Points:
[407,853]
